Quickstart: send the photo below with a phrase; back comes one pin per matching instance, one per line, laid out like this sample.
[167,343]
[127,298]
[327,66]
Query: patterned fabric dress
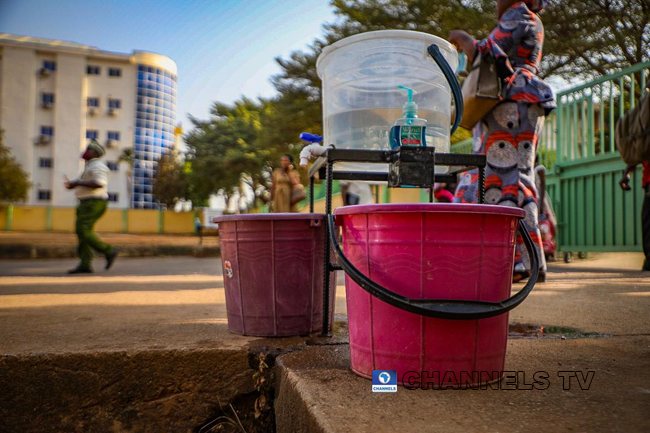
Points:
[508,135]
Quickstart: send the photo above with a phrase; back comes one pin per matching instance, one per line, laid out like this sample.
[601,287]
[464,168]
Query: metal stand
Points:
[409,167]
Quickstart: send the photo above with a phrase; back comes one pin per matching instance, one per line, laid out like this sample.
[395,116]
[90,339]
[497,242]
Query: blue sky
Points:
[223,48]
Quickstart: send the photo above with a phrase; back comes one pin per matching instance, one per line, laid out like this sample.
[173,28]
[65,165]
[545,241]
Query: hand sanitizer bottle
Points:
[408,130]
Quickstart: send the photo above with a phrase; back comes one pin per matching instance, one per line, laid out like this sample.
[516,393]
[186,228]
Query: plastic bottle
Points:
[408,130]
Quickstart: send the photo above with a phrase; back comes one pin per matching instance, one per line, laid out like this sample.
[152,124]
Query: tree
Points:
[170,180]
[583,37]
[587,38]
[223,151]
[14,181]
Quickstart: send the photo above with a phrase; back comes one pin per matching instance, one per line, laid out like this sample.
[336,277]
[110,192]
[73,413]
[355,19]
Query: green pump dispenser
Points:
[408,130]
[410,108]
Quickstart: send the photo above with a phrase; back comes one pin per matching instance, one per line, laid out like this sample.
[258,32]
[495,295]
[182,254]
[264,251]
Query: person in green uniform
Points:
[90,189]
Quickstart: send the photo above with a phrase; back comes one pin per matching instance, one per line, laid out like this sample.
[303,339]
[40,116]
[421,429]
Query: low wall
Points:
[62,219]
[386,195]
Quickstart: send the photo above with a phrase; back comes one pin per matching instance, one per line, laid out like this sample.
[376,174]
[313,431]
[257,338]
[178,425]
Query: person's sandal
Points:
[518,276]
[542,277]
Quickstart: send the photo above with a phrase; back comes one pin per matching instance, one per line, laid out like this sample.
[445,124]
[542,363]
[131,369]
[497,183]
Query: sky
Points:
[223,48]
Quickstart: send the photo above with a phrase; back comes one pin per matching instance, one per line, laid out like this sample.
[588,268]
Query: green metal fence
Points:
[584,168]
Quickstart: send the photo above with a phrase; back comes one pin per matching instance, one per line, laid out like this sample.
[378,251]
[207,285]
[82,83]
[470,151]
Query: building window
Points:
[154,124]
[92,134]
[44,194]
[114,103]
[114,72]
[113,197]
[92,70]
[47,130]
[45,162]
[114,135]
[47,99]
[113,166]
[92,102]
[50,65]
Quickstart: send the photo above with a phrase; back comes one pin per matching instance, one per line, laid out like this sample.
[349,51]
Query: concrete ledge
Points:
[319,393]
[299,406]
[153,391]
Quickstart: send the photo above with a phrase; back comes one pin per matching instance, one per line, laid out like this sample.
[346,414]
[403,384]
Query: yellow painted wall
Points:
[319,206]
[404,195]
[111,222]
[63,219]
[3,219]
[178,222]
[142,221]
[396,195]
[29,218]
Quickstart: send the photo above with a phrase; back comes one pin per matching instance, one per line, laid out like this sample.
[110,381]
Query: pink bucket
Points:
[436,262]
[273,273]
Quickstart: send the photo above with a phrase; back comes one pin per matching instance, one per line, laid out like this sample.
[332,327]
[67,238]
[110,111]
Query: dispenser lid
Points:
[382,34]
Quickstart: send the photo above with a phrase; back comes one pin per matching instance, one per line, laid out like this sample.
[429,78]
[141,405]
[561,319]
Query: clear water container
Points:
[361,101]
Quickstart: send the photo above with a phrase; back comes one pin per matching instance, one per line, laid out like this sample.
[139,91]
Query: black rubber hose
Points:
[434,52]
[440,308]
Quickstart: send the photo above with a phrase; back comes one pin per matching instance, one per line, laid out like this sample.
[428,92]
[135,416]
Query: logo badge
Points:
[384,381]
[228,268]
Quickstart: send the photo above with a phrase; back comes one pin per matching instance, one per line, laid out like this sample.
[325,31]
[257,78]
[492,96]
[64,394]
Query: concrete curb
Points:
[150,390]
[28,251]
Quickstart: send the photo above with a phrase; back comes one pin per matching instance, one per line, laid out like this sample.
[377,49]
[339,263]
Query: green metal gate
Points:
[584,168]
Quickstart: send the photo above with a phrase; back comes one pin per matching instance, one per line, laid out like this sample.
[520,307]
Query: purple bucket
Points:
[273,273]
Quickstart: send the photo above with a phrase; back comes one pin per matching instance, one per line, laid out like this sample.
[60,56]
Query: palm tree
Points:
[129,157]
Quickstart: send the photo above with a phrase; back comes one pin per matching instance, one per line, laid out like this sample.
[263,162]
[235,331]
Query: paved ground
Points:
[605,294]
[141,303]
[179,302]
[155,303]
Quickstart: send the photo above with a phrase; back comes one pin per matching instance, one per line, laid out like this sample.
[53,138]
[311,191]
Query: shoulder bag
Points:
[481,90]
[633,133]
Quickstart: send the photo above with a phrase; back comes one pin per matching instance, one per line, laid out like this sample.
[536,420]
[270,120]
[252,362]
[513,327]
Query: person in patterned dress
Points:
[508,135]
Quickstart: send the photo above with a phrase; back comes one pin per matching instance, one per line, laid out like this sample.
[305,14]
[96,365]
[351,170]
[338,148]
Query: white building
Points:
[55,96]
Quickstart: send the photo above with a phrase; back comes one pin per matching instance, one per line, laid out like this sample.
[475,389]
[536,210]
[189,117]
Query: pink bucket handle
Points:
[440,308]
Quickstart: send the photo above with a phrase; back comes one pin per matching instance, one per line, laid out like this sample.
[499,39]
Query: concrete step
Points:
[318,393]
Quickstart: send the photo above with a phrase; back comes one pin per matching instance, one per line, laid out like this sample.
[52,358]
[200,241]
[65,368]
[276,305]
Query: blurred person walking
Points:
[633,144]
[508,134]
[285,180]
[356,193]
[90,189]
[645,210]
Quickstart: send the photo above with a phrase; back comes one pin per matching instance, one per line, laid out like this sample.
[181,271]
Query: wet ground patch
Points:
[534,331]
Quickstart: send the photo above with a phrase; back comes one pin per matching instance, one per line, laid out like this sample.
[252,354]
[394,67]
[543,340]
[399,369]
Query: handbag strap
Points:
[294,178]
